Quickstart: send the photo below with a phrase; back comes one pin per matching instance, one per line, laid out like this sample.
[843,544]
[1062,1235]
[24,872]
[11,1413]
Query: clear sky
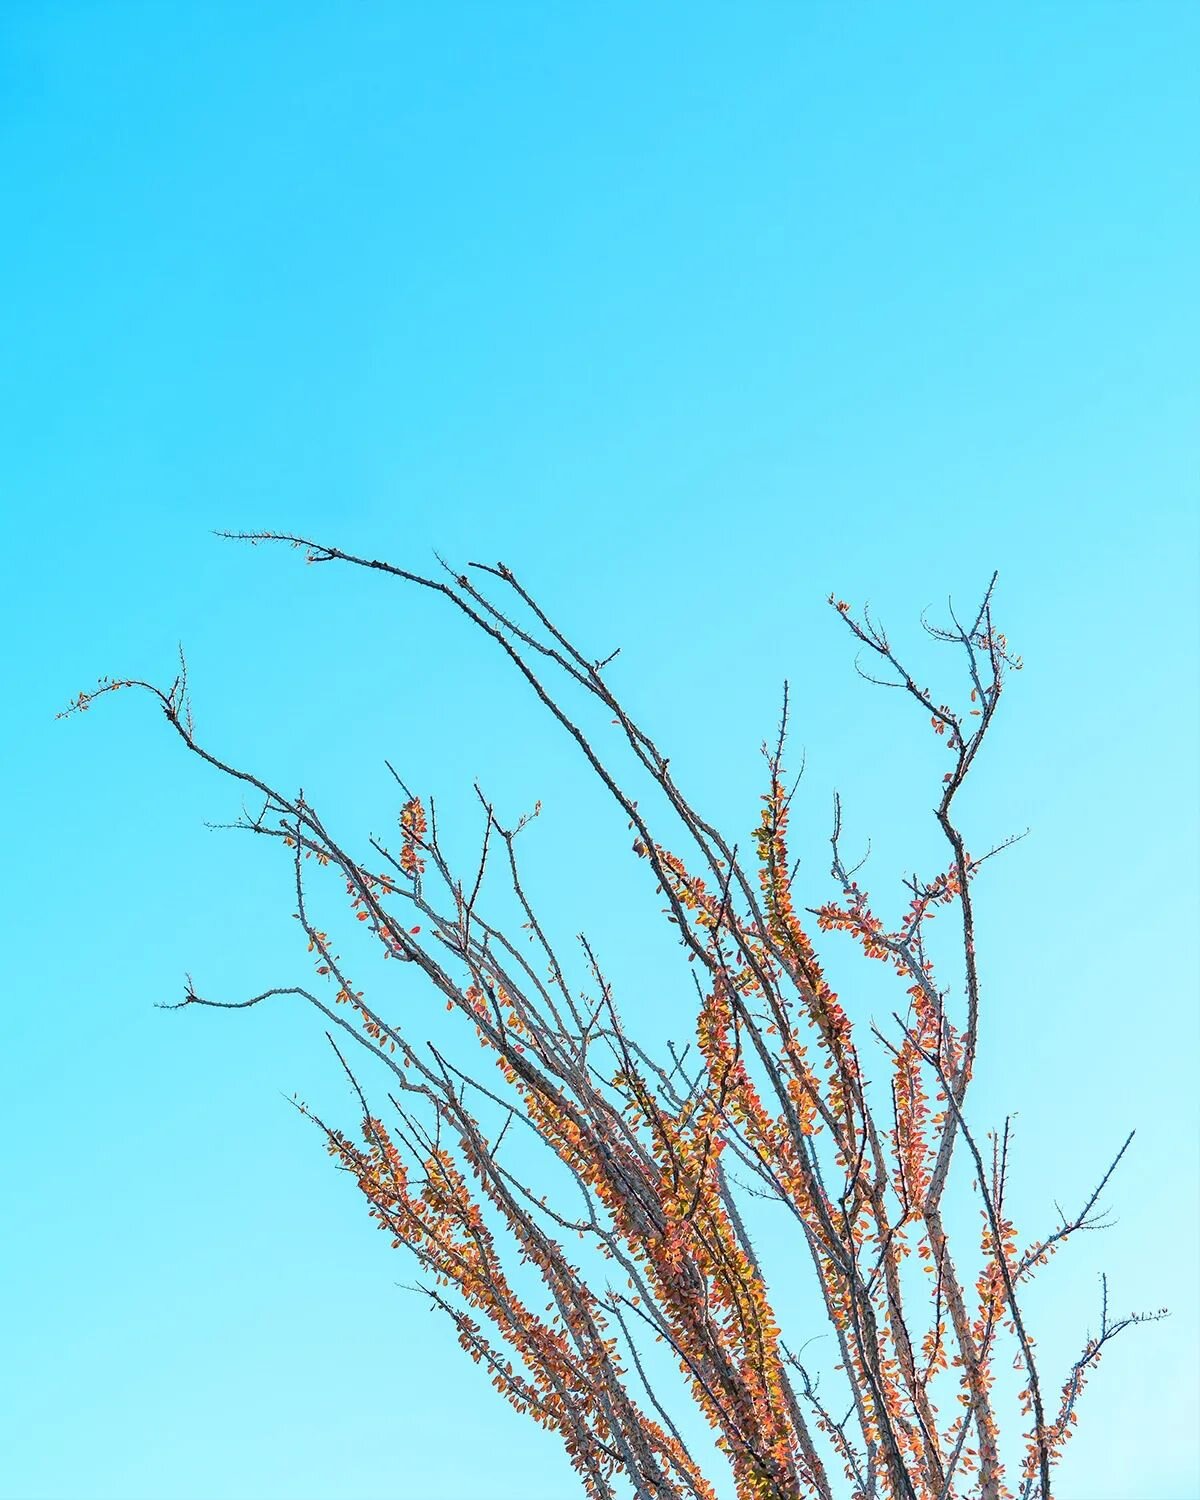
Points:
[691,314]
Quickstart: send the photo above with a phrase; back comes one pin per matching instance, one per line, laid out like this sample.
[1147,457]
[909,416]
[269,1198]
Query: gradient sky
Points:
[691,314]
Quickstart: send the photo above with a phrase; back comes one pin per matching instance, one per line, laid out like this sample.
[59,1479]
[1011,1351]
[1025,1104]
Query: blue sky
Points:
[691,314]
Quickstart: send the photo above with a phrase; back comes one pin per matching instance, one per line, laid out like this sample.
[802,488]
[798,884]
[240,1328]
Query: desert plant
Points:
[770,1099]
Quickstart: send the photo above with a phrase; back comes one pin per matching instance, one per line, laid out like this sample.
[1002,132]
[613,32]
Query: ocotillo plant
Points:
[770,1099]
